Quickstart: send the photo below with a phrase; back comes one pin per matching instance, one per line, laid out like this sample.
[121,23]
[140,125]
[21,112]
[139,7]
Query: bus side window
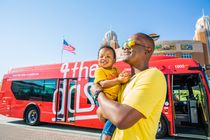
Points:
[48,89]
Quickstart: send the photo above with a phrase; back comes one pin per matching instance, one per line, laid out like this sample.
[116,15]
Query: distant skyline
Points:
[32,31]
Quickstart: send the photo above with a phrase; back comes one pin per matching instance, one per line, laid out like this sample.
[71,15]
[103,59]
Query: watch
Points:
[96,93]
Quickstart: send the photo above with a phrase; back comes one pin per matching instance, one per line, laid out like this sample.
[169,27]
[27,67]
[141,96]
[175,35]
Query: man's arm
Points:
[121,115]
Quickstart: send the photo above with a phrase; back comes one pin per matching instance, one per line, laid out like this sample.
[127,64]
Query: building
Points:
[110,38]
[184,49]
[202,33]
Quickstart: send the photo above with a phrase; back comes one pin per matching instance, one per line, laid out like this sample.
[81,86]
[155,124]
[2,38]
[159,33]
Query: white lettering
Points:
[81,69]
[74,70]
[74,93]
[25,74]
[64,69]
[78,109]
[92,70]
[180,66]
[54,101]
[55,95]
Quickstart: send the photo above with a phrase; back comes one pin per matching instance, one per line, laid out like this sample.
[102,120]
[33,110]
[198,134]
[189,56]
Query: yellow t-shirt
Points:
[146,93]
[108,74]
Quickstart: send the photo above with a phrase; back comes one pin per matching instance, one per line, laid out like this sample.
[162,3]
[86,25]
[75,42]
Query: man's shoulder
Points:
[157,76]
[155,71]
[152,74]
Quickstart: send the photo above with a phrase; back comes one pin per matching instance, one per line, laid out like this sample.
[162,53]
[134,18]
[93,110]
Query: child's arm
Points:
[109,83]
[121,79]
[102,80]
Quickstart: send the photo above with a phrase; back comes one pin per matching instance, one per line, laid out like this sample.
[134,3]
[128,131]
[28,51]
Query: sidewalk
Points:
[9,132]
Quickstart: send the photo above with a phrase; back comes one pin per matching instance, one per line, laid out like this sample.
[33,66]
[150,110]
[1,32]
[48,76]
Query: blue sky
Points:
[31,31]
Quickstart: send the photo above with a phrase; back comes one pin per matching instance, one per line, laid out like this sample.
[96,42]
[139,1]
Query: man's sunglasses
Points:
[130,44]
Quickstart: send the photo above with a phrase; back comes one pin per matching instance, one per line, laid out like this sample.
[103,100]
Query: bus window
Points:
[38,90]
[49,87]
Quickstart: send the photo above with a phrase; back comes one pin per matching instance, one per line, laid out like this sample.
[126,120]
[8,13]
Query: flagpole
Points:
[62,50]
[61,54]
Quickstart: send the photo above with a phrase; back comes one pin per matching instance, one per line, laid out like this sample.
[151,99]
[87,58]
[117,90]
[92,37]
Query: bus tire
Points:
[32,116]
[162,128]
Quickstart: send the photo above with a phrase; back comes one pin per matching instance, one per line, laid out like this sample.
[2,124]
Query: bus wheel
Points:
[32,116]
[162,128]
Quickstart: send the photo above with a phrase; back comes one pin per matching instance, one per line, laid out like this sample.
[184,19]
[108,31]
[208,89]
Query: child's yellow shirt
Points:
[102,74]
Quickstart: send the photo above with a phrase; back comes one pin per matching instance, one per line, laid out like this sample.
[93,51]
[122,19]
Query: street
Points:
[16,129]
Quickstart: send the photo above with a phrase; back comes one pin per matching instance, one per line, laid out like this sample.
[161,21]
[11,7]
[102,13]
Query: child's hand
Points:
[124,77]
[100,115]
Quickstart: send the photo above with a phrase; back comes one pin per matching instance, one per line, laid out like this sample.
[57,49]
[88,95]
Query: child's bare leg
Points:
[106,137]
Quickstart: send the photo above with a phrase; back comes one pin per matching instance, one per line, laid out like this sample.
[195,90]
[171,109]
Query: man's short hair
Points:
[143,39]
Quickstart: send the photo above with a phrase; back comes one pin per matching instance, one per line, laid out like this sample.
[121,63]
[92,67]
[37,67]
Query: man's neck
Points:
[136,70]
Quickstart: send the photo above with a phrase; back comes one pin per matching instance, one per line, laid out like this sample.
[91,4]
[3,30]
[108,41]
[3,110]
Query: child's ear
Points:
[115,59]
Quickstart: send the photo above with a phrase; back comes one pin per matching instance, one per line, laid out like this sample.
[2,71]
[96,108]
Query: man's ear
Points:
[148,50]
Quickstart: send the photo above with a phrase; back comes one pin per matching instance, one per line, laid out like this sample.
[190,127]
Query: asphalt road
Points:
[16,129]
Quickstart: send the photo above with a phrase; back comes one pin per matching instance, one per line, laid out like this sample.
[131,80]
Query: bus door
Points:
[60,100]
[65,100]
[190,106]
[71,100]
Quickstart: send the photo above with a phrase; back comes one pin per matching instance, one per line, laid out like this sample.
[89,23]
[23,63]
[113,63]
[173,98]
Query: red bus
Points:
[60,93]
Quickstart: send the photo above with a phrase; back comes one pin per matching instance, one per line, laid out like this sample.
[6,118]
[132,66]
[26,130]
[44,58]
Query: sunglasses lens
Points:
[131,43]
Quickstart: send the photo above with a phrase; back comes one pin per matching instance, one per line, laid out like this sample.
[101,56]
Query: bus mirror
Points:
[207,67]
[195,68]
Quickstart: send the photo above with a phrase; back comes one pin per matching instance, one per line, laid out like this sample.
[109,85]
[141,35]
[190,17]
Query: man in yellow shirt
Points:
[137,112]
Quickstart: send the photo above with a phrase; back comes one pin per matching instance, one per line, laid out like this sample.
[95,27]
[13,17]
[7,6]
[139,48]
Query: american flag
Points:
[68,47]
